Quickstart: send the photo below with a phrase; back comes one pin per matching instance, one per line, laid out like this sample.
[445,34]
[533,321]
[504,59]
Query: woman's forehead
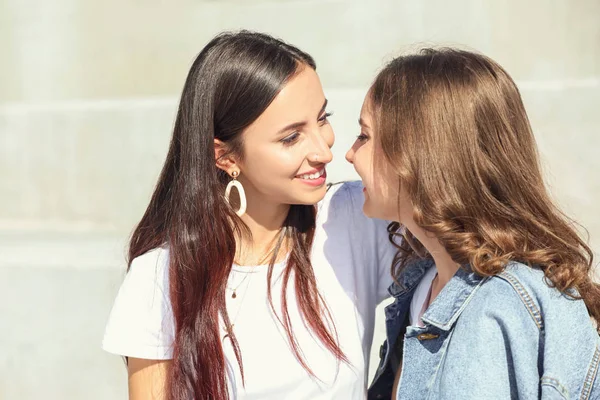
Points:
[301,99]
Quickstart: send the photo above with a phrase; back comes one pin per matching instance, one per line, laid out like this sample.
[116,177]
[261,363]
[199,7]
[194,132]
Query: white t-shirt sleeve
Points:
[420,296]
[383,251]
[384,256]
[371,236]
[141,321]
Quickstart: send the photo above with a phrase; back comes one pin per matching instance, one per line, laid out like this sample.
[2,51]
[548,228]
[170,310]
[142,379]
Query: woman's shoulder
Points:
[148,274]
[147,280]
[151,265]
[529,283]
[344,191]
[521,290]
[526,307]
[343,198]
[342,208]
[141,322]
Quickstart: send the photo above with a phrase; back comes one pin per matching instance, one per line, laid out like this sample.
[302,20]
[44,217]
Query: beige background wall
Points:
[87,98]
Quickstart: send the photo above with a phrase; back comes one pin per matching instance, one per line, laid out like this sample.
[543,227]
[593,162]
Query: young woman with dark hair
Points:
[247,278]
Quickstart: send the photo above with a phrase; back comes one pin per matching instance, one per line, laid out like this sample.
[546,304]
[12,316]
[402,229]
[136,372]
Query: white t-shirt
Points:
[421,296]
[351,258]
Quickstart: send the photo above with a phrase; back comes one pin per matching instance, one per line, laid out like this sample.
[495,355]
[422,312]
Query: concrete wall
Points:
[87,98]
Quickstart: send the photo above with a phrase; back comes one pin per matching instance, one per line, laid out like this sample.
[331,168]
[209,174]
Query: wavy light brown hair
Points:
[453,128]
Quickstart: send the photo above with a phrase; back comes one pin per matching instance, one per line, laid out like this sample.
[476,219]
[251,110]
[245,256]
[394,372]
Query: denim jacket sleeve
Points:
[527,340]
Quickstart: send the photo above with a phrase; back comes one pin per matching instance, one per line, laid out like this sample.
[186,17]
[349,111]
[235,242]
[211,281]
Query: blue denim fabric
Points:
[509,336]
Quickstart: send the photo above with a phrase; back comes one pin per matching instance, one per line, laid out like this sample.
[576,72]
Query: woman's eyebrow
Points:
[300,124]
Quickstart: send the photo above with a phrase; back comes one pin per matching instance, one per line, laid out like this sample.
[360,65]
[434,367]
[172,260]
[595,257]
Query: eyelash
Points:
[362,137]
[324,117]
[292,138]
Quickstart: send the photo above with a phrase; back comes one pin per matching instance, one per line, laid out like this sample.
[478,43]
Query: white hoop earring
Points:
[235,183]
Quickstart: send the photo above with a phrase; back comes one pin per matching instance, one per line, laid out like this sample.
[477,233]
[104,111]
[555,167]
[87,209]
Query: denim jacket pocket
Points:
[551,388]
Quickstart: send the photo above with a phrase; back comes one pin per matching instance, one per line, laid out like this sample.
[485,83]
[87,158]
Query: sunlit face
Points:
[380,183]
[287,148]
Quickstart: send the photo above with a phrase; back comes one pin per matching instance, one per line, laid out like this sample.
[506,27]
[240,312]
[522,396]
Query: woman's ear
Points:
[224,160]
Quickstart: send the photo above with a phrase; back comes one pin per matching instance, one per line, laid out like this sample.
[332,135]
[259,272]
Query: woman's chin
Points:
[311,197]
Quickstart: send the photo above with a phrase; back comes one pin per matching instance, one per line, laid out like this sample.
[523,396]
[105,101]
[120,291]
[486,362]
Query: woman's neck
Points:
[264,221]
[446,267]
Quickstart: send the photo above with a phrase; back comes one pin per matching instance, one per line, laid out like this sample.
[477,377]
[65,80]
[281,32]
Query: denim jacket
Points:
[509,336]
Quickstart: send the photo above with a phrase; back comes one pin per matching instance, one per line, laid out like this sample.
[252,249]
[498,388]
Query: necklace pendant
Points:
[233,295]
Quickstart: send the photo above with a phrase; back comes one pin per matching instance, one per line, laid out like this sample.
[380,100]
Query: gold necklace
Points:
[261,262]
[233,296]
[229,330]
[234,290]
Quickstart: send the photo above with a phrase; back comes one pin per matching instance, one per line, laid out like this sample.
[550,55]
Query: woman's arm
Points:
[140,326]
[147,379]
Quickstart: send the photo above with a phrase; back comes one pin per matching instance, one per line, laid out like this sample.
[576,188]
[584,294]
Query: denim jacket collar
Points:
[410,277]
[452,300]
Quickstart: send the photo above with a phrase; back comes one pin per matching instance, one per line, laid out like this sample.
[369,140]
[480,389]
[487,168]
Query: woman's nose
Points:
[350,156]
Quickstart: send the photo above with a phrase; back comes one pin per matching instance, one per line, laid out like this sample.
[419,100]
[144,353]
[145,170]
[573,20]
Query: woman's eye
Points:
[362,137]
[325,116]
[290,139]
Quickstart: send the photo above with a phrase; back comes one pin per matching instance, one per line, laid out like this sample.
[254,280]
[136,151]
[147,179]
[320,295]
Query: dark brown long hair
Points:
[231,82]
[452,126]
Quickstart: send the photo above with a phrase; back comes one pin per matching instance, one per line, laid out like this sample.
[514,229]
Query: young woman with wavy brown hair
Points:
[494,297]
[247,278]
